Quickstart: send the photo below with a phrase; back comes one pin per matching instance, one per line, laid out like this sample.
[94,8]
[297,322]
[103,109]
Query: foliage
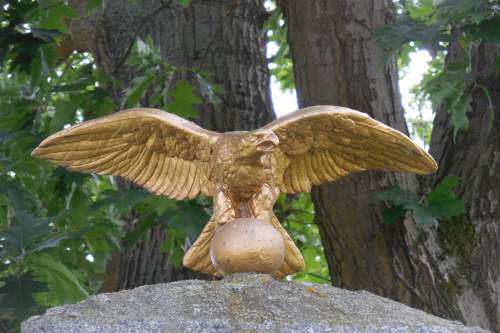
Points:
[421,128]
[432,25]
[58,228]
[156,77]
[441,203]
[42,252]
[184,3]
[280,63]
[297,215]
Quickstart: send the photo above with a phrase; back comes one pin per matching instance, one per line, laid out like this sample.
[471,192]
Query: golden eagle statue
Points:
[244,171]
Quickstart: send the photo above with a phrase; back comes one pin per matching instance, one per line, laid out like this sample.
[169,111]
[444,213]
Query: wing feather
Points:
[195,184]
[150,183]
[180,188]
[324,143]
[313,169]
[150,168]
[191,179]
[325,160]
[107,164]
[170,185]
[154,149]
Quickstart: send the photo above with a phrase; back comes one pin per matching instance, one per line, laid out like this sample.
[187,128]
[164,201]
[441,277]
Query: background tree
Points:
[64,236]
[220,42]
[451,270]
[64,63]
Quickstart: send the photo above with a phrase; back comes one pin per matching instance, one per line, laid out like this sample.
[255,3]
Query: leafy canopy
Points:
[435,26]
[58,228]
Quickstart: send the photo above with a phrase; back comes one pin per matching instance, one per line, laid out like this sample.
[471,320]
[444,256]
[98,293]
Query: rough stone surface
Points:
[239,303]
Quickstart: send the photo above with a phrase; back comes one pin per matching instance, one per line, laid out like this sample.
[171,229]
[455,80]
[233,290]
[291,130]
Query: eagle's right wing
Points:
[163,153]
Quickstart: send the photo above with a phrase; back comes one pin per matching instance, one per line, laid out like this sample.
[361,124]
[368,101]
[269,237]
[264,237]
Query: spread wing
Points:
[323,143]
[159,151]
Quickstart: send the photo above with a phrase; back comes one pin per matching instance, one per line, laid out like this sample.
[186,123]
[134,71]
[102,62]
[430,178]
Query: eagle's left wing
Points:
[163,153]
[323,143]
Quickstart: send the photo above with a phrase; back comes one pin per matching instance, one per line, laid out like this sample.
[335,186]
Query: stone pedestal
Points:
[239,303]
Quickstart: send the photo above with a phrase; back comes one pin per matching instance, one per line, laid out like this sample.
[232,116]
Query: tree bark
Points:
[336,62]
[224,38]
[474,156]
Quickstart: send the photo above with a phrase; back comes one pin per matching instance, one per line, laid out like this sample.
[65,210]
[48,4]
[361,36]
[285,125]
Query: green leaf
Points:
[407,29]
[459,109]
[423,10]
[134,95]
[50,242]
[47,35]
[27,234]
[184,100]
[209,91]
[403,201]
[184,3]
[397,196]
[443,190]
[443,201]
[280,63]
[92,5]
[122,200]
[422,214]
[303,216]
[76,85]
[159,204]
[77,204]
[62,281]
[54,17]
[487,31]
[310,258]
[19,198]
[188,216]
[64,115]
[392,214]
[145,56]
[16,295]
[139,230]
[173,246]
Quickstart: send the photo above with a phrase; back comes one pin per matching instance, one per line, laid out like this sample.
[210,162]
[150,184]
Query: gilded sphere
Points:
[247,245]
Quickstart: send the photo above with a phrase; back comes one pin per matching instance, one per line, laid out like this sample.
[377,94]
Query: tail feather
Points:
[197,257]
[294,262]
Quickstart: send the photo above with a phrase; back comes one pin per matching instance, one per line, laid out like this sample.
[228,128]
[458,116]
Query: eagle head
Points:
[244,159]
[256,144]
[243,147]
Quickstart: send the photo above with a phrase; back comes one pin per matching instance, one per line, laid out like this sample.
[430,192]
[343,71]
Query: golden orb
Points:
[247,245]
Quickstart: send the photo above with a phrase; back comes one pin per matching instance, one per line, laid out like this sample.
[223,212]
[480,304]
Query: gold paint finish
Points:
[247,245]
[243,171]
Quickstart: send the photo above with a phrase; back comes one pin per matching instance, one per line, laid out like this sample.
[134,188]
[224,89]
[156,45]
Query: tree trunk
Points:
[224,38]
[474,156]
[336,61]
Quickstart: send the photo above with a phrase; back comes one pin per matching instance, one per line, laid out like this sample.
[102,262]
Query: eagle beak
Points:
[267,141]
